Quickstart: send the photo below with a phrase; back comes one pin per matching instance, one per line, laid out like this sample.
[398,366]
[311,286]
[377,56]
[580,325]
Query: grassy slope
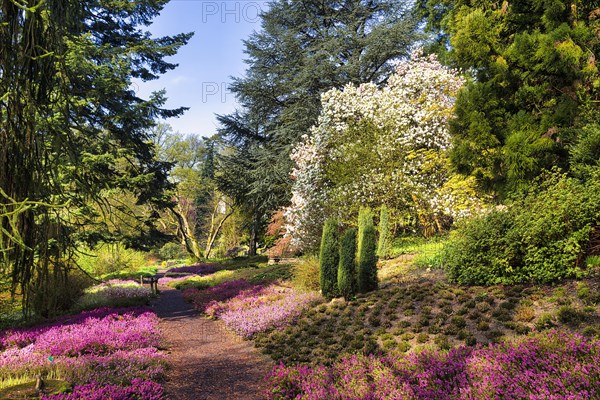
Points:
[253,269]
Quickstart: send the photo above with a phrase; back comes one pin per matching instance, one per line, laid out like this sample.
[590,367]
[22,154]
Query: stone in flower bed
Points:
[261,309]
[548,365]
[114,293]
[105,346]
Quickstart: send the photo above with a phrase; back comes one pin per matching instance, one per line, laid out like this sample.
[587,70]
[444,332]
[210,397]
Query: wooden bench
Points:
[150,280]
[283,260]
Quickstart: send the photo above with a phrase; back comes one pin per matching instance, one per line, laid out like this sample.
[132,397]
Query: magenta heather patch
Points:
[259,309]
[21,337]
[198,269]
[106,346]
[180,274]
[218,293]
[549,365]
[539,367]
[139,389]
[168,279]
[253,297]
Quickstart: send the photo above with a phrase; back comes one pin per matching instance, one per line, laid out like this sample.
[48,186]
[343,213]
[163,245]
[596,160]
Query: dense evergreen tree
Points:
[367,252]
[72,127]
[304,48]
[384,244]
[234,177]
[347,268]
[535,83]
[329,259]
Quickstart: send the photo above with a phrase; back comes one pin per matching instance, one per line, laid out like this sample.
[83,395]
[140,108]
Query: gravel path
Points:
[207,361]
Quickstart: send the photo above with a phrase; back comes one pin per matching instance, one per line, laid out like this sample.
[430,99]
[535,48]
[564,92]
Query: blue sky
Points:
[213,55]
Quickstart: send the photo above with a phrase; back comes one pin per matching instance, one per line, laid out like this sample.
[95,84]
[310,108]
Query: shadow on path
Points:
[207,361]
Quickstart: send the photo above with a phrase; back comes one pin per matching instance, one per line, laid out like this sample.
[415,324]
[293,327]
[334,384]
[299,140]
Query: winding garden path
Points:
[207,361]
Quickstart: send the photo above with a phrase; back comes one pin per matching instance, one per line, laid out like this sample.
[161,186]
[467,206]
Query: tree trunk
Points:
[188,237]
[215,228]
[253,238]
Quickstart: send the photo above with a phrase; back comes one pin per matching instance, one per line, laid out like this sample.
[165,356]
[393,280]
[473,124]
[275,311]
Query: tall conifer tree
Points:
[303,49]
[72,127]
[536,83]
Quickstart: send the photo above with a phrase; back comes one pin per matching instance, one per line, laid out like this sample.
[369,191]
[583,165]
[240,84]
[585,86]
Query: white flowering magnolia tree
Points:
[381,145]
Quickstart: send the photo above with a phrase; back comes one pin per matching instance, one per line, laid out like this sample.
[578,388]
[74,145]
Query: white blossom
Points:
[410,115]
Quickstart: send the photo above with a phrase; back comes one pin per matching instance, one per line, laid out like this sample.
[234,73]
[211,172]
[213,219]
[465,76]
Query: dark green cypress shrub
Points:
[367,249]
[329,259]
[347,267]
[384,244]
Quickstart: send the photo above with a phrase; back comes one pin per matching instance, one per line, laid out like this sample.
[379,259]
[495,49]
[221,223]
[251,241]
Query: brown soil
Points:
[207,361]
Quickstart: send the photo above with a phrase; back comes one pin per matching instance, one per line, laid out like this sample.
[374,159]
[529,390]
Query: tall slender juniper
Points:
[347,267]
[329,259]
[367,251]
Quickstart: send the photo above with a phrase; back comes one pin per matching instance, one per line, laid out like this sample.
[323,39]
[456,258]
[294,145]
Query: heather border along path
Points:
[206,360]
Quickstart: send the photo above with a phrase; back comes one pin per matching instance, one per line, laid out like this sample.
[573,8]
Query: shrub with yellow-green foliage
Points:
[112,258]
[306,273]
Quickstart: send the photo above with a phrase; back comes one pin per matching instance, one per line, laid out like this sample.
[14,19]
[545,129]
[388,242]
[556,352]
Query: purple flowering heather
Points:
[106,346]
[168,279]
[217,293]
[246,299]
[198,269]
[21,337]
[554,365]
[259,310]
[179,274]
[139,389]
[549,365]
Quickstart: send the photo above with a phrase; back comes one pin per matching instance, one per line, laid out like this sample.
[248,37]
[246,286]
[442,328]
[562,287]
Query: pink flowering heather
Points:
[246,299]
[179,274]
[549,365]
[139,389]
[109,347]
[168,279]
[21,337]
[114,293]
[221,292]
[198,269]
[553,365]
[258,311]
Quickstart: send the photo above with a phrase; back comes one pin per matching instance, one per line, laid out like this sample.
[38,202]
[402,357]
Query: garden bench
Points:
[150,280]
[283,260]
